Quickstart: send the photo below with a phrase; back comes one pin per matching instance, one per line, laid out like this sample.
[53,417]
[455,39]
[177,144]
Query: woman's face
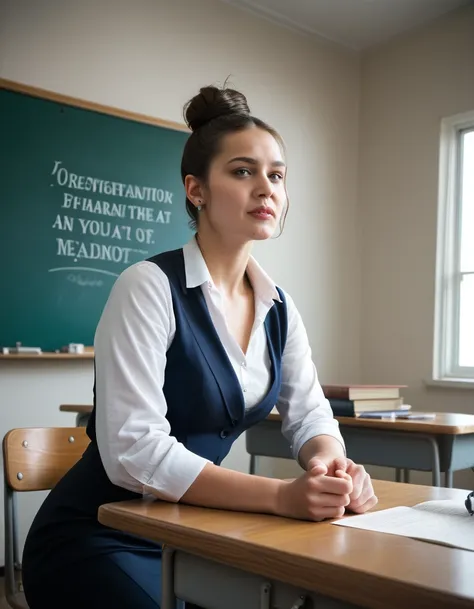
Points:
[246,194]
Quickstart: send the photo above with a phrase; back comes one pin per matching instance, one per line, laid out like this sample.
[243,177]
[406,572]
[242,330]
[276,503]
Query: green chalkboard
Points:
[84,193]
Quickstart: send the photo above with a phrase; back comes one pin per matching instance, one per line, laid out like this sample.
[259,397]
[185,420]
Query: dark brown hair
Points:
[211,115]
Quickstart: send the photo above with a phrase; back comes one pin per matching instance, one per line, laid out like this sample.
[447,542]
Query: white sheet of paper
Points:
[443,522]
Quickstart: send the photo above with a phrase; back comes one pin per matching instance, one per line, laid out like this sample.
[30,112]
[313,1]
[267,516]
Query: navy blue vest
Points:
[206,412]
[206,407]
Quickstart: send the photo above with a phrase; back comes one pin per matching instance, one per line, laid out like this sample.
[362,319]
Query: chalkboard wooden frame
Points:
[87,105]
[67,100]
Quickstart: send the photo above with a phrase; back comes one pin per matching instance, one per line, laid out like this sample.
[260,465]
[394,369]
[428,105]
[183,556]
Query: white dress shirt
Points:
[134,333]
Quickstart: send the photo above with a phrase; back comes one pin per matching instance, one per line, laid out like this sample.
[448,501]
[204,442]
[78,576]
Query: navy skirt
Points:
[119,580]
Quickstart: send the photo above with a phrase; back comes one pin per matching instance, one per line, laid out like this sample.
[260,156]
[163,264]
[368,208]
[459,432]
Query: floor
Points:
[3,602]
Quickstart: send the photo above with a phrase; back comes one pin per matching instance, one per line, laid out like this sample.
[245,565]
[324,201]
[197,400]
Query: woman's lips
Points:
[262,214]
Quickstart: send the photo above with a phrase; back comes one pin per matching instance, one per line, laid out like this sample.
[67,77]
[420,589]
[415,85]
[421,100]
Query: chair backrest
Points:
[36,458]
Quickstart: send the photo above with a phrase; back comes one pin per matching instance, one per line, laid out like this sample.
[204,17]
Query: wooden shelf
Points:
[46,356]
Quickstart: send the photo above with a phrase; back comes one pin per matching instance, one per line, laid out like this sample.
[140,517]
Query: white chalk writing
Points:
[84,281]
[101,228]
[95,251]
[71,180]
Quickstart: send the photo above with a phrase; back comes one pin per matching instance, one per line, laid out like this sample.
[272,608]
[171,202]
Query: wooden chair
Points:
[34,459]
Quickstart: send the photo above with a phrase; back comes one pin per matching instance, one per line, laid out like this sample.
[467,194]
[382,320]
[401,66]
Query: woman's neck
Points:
[227,263]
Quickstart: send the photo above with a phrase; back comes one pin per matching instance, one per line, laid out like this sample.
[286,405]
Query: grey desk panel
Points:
[399,449]
[460,449]
[215,586]
[363,445]
[404,450]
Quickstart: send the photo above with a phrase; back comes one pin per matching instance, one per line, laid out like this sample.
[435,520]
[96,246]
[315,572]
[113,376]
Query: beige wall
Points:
[150,57]
[407,87]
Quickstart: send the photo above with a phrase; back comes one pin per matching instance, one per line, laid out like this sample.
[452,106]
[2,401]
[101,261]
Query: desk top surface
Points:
[376,570]
[446,423]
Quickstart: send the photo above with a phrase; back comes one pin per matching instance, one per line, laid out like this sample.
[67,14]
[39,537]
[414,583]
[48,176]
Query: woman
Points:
[194,346]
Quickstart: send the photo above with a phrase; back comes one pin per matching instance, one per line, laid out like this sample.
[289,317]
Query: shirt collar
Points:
[262,284]
[198,274]
[195,267]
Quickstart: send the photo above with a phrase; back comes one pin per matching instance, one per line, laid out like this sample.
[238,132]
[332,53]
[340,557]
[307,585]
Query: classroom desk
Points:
[82,411]
[445,444]
[233,560]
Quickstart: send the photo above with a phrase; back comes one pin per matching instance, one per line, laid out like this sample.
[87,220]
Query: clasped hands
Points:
[327,489]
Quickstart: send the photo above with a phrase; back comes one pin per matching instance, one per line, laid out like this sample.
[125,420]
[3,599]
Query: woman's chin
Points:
[263,232]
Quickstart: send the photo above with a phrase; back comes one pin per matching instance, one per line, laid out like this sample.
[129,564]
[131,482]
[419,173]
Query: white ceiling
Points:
[357,24]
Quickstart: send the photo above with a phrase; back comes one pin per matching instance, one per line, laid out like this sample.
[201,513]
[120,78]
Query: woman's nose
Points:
[264,188]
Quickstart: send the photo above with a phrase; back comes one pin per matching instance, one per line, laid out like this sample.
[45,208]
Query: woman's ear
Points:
[194,190]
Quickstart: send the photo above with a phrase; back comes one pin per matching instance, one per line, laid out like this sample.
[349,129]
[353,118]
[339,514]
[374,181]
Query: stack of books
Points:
[357,400]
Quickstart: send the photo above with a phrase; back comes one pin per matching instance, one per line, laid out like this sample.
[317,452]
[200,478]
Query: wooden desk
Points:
[82,411]
[239,560]
[445,444]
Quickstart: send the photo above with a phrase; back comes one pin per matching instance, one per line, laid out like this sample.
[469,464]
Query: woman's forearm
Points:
[222,488]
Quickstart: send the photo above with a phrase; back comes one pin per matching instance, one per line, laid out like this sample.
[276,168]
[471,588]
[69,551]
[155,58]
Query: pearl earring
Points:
[199,207]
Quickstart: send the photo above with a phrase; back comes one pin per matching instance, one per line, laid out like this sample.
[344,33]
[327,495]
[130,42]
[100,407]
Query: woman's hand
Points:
[315,495]
[362,496]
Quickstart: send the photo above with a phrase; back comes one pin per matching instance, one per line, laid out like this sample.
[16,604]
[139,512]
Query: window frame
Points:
[448,270]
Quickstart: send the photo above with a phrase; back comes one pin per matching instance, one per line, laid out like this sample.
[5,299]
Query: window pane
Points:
[466,322]
[467,202]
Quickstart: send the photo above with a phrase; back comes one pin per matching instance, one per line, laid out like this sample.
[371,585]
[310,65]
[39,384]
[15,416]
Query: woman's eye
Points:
[242,172]
[276,177]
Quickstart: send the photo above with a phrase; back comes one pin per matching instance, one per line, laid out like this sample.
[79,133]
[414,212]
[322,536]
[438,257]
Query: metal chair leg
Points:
[16,542]
[10,544]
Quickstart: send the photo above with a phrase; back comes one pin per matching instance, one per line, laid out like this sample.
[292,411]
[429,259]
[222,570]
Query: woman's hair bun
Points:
[212,102]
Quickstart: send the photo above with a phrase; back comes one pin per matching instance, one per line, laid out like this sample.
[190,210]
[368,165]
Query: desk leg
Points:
[253,464]
[448,478]
[168,598]
[436,467]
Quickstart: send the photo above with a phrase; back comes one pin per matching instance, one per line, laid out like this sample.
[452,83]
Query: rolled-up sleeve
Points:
[133,433]
[305,411]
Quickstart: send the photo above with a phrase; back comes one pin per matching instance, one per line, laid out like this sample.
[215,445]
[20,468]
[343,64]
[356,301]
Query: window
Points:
[454,330]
